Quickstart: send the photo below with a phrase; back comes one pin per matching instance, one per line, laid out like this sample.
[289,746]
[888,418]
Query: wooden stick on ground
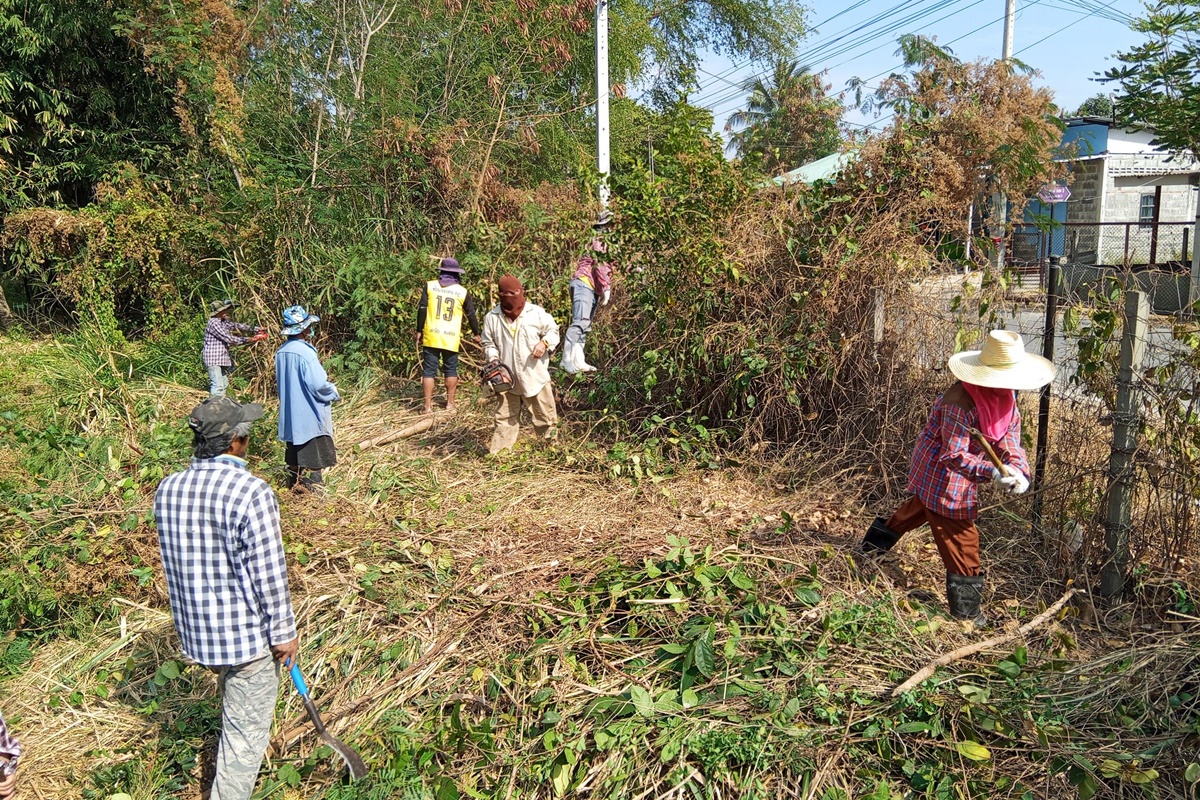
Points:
[419,426]
[927,671]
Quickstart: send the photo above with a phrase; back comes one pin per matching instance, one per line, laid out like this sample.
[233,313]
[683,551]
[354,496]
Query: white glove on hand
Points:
[1010,480]
[607,295]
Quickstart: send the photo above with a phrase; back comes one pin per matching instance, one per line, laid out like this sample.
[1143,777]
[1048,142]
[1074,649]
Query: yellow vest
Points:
[443,317]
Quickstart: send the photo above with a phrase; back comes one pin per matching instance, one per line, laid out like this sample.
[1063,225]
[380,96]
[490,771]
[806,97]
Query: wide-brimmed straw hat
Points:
[217,306]
[296,319]
[1002,364]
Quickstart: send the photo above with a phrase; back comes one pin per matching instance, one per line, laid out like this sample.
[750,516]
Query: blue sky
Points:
[1067,41]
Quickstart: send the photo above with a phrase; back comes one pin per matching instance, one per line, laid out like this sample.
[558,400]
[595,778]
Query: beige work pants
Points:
[508,417]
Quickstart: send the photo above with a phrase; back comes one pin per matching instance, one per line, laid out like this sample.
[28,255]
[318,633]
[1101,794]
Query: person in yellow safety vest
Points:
[444,301]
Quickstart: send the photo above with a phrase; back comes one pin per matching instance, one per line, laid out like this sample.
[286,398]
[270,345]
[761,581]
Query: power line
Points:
[1094,12]
[717,106]
[750,61]
[725,98]
[815,50]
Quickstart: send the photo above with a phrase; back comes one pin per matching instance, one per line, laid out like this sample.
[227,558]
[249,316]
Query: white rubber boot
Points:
[577,357]
[568,363]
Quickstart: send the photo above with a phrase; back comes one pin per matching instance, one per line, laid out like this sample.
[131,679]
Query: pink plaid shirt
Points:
[594,272]
[218,336]
[947,464]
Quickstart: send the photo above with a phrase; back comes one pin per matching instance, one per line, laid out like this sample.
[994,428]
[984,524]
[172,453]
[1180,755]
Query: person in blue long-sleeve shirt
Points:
[306,399]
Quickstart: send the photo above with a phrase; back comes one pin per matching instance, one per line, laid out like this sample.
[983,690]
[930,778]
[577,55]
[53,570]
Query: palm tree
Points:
[788,120]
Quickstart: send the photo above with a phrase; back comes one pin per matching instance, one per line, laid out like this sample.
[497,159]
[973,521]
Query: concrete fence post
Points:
[1124,444]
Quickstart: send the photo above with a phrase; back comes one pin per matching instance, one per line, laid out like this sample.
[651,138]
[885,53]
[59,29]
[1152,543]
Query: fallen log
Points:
[420,426]
[927,671]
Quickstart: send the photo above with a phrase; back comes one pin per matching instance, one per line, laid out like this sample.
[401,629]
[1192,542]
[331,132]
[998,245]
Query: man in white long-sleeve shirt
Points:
[521,335]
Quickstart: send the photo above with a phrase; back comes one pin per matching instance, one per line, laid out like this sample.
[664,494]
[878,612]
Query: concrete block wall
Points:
[1084,206]
[1123,204]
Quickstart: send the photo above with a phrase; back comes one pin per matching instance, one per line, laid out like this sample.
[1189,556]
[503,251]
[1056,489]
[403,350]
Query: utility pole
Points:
[602,165]
[999,200]
[1010,20]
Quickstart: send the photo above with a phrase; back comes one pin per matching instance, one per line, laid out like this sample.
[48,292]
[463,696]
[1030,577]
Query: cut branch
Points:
[927,671]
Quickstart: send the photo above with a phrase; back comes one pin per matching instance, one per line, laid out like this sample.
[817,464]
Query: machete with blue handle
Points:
[353,760]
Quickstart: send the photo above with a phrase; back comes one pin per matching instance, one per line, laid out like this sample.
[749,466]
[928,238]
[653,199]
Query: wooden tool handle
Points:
[978,436]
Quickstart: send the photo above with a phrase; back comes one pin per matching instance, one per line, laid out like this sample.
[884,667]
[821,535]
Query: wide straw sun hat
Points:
[1002,364]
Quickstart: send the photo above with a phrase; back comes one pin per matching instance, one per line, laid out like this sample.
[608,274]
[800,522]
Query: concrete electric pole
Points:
[602,165]
[999,200]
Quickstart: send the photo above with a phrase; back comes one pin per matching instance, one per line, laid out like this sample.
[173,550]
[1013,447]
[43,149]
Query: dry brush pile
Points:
[753,312]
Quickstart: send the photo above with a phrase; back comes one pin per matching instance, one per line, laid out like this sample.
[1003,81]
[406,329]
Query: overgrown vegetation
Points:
[665,604]
[530,629]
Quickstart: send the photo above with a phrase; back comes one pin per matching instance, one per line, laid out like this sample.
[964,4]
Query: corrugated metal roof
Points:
[822,169]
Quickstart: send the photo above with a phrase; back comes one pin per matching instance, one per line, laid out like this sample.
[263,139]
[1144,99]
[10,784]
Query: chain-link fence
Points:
[1128,245]
[1160,533]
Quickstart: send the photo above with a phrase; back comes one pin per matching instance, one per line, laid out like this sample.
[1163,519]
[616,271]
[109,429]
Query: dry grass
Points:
[439,557]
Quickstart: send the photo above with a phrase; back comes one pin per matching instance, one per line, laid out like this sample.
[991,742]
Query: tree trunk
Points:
[6,314]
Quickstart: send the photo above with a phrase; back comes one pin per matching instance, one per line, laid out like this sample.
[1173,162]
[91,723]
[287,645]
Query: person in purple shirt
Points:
[220,334]
[591,280]
[10,753]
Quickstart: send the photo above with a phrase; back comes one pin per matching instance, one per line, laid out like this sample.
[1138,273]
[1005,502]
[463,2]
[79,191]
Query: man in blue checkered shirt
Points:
[222,553]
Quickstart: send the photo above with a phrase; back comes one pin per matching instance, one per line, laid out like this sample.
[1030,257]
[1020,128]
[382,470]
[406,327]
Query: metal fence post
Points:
[1125,431]
[1043,435]
[1154,226]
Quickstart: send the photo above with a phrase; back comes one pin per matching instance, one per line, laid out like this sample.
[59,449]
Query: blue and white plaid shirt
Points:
[218,337]
[222,553]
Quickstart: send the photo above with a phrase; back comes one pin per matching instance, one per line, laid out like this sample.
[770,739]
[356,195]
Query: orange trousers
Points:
[957,539]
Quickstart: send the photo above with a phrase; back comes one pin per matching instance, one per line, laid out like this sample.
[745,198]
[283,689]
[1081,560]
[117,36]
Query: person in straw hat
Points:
[948,465]
[220,334]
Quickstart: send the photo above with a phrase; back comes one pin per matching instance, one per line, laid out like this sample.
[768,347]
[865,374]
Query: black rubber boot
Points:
[880,538]
[964,593]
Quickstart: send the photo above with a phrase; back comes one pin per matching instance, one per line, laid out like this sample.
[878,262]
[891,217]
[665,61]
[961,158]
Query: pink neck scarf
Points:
[995,407]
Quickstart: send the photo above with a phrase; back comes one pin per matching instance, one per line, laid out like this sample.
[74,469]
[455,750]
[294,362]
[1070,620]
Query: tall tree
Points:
[1098,105]
[1159,80]
[75,100]
[789,119]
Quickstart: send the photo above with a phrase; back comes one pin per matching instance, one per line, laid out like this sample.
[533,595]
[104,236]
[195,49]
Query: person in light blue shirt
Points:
[306,399]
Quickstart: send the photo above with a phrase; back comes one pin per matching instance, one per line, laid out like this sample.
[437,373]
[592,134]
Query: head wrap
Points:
[513,304]
[995,407]
[449,272]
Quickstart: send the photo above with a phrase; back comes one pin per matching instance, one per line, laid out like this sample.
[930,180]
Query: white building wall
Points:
[1129,177]
[1124,142]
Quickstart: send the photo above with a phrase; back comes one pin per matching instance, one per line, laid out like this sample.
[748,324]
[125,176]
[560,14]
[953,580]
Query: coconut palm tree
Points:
[788,119]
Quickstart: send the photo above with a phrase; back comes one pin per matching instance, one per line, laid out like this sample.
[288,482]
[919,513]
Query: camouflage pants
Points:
[248,695]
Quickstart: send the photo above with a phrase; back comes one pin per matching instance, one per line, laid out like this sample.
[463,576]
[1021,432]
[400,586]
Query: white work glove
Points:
[1010,480]
[607,295]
